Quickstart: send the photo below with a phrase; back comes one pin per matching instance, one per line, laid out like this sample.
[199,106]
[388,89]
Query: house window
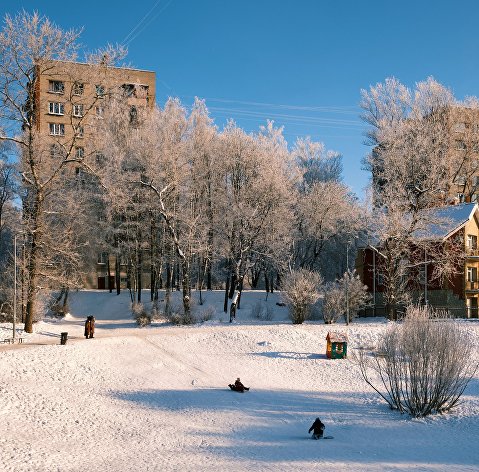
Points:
[78,88]
[460,197]
[472,241]
[102,258]
[57,129]
[472,274]
[56,86]
[79,152]
[100,90]
[56,108]
[78,111]
[78,131]
[56,151]
[99,111]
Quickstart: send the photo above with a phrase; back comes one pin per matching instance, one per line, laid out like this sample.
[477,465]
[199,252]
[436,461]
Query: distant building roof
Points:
[439,223]
[447,220]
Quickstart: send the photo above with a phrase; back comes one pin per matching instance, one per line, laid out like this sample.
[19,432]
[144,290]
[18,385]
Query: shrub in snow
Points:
[333,303]
[348,290]
[140,315]
[300,291]
[206,314]
[422,365]
[262,311]
[177,315]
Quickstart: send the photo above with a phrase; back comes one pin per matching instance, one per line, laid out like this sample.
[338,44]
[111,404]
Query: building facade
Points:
[460,294]
[70,99]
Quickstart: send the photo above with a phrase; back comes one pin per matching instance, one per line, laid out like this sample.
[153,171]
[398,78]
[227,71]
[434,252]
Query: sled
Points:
[236,390]
[324,437]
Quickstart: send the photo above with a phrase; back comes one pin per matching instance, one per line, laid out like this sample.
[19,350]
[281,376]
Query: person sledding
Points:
[317,428]
[238,386]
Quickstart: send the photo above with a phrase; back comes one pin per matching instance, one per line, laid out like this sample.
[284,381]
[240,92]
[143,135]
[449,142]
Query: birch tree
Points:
[255,199]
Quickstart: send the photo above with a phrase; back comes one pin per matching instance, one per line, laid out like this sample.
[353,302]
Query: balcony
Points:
[472,252]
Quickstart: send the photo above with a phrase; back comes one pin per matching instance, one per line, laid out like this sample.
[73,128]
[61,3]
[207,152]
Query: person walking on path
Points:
[89,327]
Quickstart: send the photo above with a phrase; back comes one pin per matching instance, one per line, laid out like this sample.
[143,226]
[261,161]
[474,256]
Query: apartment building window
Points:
[79,152]
[100,90]
[78,88]
[78,131]
[78,111]
[472,274]
[102,258]
[56,151]
[56,108]
[100,159]
[56,86]
[133,115]
[57,129]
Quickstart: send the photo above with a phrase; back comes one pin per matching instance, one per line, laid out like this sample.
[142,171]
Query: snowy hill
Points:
[156,398]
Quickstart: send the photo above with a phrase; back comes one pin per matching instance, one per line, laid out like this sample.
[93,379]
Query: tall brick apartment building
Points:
[70,98]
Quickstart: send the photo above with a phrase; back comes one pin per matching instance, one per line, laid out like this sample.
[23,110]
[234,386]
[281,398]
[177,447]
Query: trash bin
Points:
[63,339]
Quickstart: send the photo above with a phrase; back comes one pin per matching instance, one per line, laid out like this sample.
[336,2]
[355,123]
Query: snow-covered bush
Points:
[422,365]
[300,291]
[333,303]
[262,311]
[177,315]
[140,315]
[347,291]
[206,314]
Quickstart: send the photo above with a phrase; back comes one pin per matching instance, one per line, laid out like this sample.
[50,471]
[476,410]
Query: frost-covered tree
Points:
[327,213]
[254,199]
[300,291]
[30,47]
[344,297]
[413,169]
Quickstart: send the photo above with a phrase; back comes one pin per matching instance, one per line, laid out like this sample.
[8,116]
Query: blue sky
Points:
[301,63]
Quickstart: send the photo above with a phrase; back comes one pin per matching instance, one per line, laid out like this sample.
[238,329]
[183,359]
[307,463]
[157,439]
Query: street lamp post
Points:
[347,284]
[14,285]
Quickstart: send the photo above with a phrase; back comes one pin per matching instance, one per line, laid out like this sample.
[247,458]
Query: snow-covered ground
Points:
[156,398]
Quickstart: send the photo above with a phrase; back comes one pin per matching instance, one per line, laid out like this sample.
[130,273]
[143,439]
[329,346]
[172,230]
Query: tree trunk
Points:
[139,274]
[227,289]
[32,269]
[117,274]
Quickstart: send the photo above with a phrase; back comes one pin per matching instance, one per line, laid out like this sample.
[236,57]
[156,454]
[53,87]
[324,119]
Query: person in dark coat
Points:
[317,428]
[89,327]
[238,386]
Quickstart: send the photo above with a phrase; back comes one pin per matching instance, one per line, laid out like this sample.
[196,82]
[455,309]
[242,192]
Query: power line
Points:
[146,24]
